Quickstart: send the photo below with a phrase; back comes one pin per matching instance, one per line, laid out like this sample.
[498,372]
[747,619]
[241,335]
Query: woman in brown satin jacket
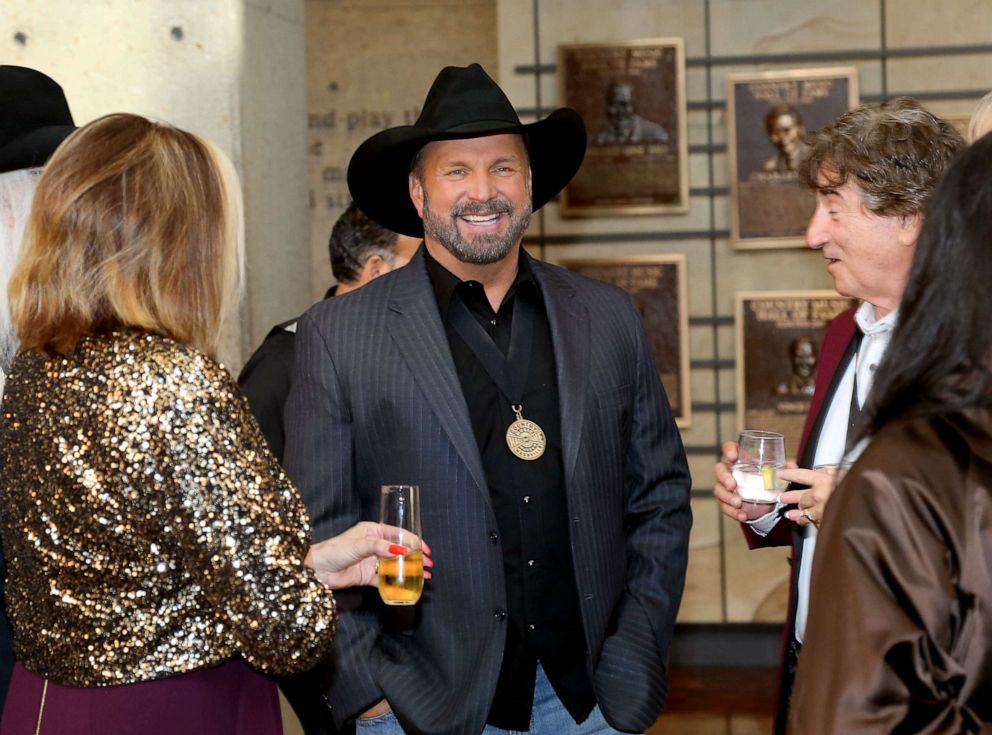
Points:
[899,638]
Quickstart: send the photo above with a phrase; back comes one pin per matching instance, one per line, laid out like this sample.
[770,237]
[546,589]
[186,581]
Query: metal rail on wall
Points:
[713,321]
[711,192]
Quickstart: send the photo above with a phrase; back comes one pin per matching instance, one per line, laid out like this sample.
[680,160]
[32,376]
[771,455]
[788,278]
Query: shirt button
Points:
[500,614]
[494,537]
[530,562]
[531,626]
[493,322]
[526,498]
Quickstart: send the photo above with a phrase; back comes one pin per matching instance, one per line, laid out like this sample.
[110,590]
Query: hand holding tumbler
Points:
[760,456]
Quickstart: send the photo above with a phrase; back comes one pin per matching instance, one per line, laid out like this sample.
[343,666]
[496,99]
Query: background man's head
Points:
[361,249]
[785,128]
[873,171]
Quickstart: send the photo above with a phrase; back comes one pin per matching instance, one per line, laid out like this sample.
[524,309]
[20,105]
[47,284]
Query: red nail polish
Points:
[397,549]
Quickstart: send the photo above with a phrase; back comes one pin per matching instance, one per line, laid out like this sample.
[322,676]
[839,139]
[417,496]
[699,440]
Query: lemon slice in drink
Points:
[768,477]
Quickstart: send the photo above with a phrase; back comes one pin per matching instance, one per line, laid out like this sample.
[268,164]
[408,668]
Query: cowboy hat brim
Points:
[34,148]
[378,175]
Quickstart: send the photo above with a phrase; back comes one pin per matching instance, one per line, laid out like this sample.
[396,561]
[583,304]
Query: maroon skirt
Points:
[229,699]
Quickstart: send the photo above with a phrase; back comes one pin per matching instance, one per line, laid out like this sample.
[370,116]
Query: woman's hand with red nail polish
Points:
[350,558]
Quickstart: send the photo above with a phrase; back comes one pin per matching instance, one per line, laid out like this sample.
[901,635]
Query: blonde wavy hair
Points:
[134,225]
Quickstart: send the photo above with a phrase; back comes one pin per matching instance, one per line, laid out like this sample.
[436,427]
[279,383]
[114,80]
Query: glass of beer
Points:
[401,578]
[760,456]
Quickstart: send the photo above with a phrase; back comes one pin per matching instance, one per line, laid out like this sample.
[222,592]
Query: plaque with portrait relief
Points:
[768,115]
[632,98]
[658,285]
[778,349]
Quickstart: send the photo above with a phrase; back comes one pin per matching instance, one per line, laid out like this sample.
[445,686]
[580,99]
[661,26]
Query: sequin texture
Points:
[147,529]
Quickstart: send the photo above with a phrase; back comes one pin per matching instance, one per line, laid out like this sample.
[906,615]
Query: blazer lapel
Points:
[415,325]
[809,446]
[833,359]
[569,320]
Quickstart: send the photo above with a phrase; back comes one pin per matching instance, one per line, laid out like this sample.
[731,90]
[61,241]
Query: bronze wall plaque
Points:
[768,114]
[778,347]
[632,98]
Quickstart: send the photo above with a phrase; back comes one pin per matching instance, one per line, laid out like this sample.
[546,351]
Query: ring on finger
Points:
[806,514]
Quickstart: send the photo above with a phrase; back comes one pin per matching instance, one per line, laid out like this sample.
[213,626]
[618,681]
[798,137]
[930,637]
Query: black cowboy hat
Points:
[463,102]
[34,118]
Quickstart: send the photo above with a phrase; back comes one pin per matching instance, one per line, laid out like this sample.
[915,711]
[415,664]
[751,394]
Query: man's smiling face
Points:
[474,195]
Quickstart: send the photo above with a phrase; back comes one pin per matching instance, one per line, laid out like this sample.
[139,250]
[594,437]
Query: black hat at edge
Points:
[34,117]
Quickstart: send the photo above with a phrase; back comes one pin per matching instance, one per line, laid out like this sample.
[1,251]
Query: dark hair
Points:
[895,151]
[939,357]
[354,239]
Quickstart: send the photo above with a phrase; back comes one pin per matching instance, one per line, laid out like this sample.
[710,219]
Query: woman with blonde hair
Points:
[155,549]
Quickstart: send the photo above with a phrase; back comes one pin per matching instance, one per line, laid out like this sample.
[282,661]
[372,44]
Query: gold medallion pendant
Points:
[525,438]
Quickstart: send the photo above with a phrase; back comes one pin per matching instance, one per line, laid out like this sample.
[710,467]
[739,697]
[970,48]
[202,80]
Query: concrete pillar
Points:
[229,70]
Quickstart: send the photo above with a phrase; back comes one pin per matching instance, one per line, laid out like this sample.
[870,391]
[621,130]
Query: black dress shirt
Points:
[529,500]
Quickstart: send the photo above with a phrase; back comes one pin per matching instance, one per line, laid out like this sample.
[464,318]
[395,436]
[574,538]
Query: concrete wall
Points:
[229,70]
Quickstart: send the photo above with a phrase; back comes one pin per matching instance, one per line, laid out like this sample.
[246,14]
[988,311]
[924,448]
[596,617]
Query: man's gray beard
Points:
[485,249]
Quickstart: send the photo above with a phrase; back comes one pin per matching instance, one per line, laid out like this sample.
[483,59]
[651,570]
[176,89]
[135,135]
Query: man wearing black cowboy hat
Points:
[523,401]
[34,119]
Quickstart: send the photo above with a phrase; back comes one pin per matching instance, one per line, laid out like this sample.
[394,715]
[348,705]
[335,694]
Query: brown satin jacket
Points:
[899,637]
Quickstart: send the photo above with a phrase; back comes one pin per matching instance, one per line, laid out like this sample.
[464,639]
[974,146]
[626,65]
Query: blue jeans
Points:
[548,717]
[384,724]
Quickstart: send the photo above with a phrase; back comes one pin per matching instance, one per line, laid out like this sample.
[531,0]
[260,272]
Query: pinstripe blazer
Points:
[376,400]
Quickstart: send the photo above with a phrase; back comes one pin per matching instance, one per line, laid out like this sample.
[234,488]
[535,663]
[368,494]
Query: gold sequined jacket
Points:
[147,529]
